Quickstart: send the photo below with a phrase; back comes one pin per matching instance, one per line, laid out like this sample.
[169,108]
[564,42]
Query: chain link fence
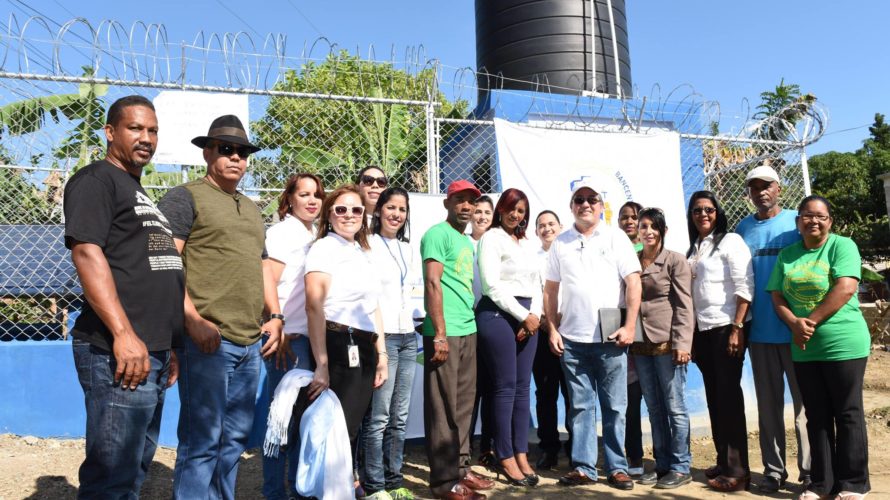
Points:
[331,116]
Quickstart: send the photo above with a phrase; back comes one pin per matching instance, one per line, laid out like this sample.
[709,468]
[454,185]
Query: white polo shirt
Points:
[510,269]
[590,272]
[287,242]
[355,283]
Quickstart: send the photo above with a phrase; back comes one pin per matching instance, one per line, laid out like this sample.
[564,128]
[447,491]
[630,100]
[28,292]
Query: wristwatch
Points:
[277,316]
[740,325]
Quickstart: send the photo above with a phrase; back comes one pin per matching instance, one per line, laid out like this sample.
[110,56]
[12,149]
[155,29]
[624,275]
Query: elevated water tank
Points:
[553,43]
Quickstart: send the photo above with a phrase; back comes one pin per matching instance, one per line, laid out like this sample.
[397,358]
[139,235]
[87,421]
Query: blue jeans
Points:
[664,388]
[596,370]
[217,395]
[281,470]
[384,429]
[122,425]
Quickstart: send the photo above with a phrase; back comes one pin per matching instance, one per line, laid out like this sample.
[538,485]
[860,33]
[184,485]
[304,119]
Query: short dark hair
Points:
[117,108]
[507,202]
[545,212]
[384,197]
[814,197]
[721,225]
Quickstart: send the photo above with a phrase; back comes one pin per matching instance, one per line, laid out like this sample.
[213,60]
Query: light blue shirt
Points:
[766,238]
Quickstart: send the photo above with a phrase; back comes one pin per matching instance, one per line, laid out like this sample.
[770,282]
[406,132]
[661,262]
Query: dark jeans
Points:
[832,398]
[509,368]
[549,381]
[633,434]
[122,425]
[722,375]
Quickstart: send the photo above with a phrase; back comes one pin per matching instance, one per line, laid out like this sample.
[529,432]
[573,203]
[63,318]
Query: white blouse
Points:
[510,269]
[718,278]
[287,242]
[355,288]
[395,262]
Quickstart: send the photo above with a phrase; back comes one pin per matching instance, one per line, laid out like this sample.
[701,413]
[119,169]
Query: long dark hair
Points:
[656,215]
[362,235]
[507,202]
[403,233]
[720,228]
[814,197]
[290,187]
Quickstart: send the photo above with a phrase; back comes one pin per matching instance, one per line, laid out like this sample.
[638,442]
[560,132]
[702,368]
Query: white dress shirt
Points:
[355,283]
[395,263]
[510,269]
[718,277]
[590,271]
[287,242]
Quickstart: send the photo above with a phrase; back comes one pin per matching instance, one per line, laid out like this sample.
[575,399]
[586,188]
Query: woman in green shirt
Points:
[814,288]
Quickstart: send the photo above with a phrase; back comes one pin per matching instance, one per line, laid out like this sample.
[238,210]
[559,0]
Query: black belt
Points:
[333,326]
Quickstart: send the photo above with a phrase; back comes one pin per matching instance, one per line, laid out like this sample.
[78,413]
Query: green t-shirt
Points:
[638,247]
[444,244]
[804,277]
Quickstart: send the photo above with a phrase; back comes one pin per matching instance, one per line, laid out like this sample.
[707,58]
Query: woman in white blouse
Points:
[383,433]
[722,286]
[342,295]
[507,317]
[287,243]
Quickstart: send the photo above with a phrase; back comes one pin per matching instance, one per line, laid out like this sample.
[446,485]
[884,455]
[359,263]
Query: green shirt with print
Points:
[453,250]
[804,277]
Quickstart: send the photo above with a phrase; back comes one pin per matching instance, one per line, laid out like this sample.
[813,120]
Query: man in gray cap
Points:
[766,232]
[220,235]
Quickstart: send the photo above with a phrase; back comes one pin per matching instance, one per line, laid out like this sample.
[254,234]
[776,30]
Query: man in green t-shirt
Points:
[449,347]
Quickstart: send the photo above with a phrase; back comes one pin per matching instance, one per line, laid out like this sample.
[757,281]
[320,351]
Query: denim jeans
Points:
[281,470]
[122,425]
[384,429]
[596,370]
[217,395]
[664,388]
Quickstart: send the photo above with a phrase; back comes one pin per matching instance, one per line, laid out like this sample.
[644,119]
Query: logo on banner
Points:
[611,186]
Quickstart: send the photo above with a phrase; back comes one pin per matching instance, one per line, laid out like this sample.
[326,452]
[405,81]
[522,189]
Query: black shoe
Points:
[805,483]
[533,479]
[499,470]
[621,481]
[548,461]
[673,480]
[648,478]
[771,484]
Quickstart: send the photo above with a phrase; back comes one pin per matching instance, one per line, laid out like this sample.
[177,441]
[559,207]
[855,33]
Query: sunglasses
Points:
[591,200]
[228,149]
[342,210]
[701,210]
[369,180]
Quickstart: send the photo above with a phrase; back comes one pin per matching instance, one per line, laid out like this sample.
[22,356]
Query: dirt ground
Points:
[47,468]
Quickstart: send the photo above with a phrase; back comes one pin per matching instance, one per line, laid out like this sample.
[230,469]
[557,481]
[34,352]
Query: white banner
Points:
[645,168]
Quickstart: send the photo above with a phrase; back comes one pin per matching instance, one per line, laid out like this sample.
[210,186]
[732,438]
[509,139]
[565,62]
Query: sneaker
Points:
[648,478]
[379,495]
[401,494]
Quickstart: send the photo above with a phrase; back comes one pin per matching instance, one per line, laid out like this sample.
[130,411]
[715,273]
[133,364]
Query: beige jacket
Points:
[666,309]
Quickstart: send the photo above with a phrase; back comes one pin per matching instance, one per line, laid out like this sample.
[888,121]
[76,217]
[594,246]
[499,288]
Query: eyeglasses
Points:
[814,217]
[228,149]
[369,180]
[701,210]
[342,210]
[591,200]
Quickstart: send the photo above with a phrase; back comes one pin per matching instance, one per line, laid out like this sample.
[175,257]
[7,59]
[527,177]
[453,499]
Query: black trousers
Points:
[549,380]
[832,398]
[722,376]
[353,386]
[633,430]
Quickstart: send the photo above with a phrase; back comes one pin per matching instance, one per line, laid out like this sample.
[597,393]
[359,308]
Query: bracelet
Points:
[439,341]
[383,353]
[277,316]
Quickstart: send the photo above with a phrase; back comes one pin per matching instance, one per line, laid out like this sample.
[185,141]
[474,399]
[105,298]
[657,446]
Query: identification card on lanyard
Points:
[352,354]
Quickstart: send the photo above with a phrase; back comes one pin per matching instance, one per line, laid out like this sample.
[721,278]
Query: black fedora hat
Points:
[226,128]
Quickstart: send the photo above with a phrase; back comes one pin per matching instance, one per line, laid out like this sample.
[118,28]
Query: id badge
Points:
[352,353]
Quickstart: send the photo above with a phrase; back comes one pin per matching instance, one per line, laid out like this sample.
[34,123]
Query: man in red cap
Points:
[449,346]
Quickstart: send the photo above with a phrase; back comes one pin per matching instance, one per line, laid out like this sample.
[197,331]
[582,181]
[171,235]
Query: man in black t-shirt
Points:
[133,282]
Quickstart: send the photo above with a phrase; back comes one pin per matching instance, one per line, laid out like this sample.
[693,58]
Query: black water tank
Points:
[552,42]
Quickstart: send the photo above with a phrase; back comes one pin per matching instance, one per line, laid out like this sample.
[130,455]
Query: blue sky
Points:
[726,50]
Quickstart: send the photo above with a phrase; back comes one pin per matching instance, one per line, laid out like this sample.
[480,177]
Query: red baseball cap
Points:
[462,185]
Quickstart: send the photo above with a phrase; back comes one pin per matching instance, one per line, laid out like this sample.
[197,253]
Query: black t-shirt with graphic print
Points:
[106,206]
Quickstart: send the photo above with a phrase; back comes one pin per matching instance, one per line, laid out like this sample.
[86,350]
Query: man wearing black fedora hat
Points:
[221,237]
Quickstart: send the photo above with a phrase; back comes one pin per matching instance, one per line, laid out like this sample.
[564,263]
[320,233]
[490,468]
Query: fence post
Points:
[432,149]
[805,171]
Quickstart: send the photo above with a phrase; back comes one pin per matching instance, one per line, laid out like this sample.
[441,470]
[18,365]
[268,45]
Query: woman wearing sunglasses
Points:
[722,287]
[371,181]
[287,243]
[814,288]
[507,316]
[667,317]
[342,296]
[383,432]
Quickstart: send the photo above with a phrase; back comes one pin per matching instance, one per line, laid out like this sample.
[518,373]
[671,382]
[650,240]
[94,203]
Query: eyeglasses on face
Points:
[591,200]
[369,180]
[227,150]
[705,210]
[342,210]
[814,217]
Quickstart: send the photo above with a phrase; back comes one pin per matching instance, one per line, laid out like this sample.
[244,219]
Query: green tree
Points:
[335,138]
[780,109]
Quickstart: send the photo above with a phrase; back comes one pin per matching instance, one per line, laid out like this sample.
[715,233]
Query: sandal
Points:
[728,484]
[809,495]
[850,495]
